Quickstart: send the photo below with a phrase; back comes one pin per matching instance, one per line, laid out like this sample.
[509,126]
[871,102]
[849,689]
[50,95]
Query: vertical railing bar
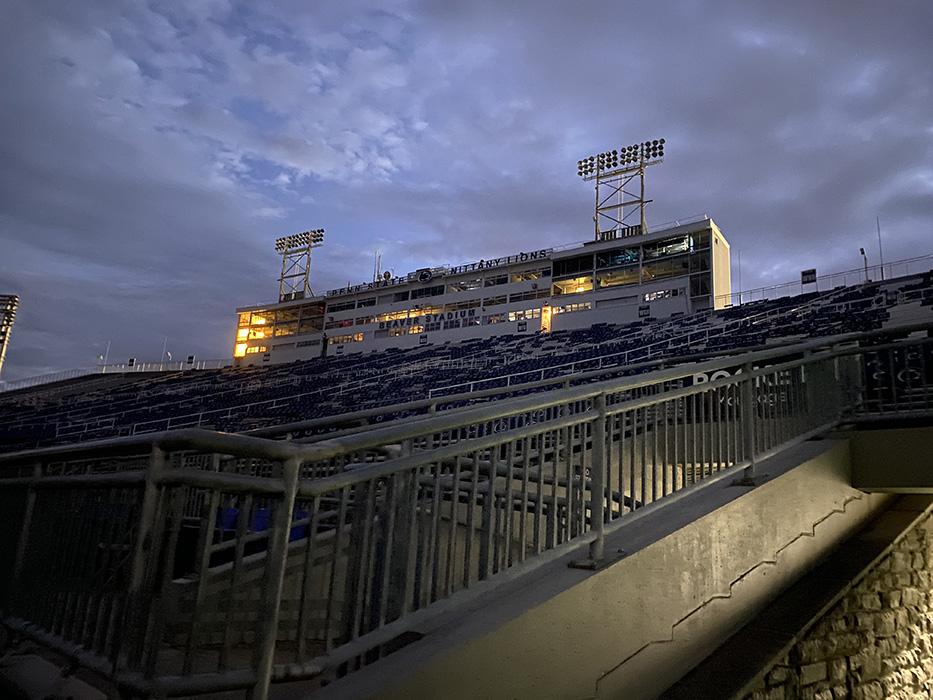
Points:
[392,495]
[452,529]
[275,578]
[242,522]
[523,521]
[471,522]
[598,479]
[509,511]
[135,621]
[204,558]
[335,557]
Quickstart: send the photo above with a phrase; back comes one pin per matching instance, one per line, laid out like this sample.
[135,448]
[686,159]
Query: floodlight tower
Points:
[296,263]
[620,212]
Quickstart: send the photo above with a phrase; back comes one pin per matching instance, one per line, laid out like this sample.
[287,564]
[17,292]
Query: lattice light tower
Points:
[295,250]
[620,211]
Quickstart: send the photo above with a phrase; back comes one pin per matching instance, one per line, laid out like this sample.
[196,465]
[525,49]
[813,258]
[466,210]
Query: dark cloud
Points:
[149,152]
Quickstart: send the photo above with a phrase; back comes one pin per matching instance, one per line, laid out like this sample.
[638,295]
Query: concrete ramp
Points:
[682,576]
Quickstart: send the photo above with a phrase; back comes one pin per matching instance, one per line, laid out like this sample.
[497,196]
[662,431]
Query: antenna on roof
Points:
[616,207]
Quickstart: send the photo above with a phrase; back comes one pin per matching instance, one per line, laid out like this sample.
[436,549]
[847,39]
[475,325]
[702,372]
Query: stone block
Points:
[779,675]
[891,599]
[870,601]
[840,692]
[868,691]
[865,666]
[837,670]
[911,596]
[900,561]
[885,623]
[813,673]
[811,650]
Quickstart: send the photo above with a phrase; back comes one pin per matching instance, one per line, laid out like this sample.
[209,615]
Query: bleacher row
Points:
[241,398]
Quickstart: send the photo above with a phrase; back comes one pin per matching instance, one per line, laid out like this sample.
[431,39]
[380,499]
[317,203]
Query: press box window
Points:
[663,269]
[427,292]
[617,278]
[495,280]
[342,306]
[574,285]
[617,256]
[569,266]
[465,285]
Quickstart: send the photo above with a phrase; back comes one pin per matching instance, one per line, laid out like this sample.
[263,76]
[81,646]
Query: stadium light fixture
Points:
[620,159]
[312,238]
[616,203]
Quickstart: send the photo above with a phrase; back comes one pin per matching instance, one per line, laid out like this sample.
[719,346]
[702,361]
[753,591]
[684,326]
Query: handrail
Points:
[250,444]
[452,502]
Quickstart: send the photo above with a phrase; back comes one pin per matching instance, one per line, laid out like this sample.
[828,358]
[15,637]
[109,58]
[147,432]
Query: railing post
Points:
[24,531]
[275,578]
[136,621]
[598,478]
[749,411]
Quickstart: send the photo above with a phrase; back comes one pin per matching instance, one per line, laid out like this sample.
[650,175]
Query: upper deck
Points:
[679,267]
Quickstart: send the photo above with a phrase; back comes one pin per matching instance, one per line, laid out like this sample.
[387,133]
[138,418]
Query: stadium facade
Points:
[9,303]
[680,268]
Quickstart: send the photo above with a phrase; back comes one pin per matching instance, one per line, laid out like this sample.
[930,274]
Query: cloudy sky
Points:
[150,152]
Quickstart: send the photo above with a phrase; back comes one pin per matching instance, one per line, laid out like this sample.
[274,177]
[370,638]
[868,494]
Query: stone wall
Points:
[876,643]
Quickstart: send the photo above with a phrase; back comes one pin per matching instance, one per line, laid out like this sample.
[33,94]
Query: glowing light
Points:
[239,350]
[242,334]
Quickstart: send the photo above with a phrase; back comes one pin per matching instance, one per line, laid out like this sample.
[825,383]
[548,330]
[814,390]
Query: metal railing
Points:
[116,368]
[856,276]
[192,561]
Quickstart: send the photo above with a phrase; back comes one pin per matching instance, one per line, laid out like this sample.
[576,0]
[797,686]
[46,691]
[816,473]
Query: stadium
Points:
[385,459]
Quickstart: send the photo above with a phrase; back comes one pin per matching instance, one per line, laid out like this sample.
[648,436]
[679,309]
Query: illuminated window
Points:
[531,274]
[342,339]
[243,319]
[571,308]
[524,315]
[283,329]
[617,278]
[392,315]
[242,333]
[256,349]
[573,285]
[666,247]
[261,318]
[414,330]
[239,350]
[661,294]
[663,269]
[465,285]
[617,256]
[255,333]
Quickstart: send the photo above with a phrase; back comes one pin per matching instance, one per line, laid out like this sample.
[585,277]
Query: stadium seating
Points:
[240,398]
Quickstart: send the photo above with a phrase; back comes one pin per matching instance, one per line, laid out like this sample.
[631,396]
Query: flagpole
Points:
[162,358]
